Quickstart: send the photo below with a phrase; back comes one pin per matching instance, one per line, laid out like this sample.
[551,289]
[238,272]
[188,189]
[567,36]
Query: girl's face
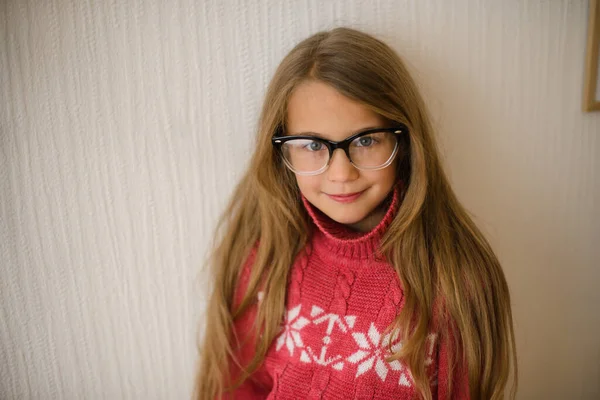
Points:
[317,109]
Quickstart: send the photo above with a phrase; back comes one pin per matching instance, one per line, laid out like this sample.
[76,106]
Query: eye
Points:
[314,146]
[364,141]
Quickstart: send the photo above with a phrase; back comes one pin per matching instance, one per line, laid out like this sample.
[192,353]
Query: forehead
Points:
[317,108]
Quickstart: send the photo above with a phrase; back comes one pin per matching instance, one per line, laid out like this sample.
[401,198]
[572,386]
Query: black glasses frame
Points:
[278,141]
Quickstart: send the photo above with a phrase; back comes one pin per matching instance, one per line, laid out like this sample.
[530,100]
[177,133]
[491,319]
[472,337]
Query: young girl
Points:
[345,267]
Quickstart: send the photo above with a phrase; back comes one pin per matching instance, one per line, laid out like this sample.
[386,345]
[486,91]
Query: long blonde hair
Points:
[433,245]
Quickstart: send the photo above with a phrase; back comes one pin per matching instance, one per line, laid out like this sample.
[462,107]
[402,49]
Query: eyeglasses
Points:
[371,150]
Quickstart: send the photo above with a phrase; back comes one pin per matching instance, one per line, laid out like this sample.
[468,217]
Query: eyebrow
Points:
[320,135]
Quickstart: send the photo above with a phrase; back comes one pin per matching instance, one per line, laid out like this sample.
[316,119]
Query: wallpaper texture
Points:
[124,127]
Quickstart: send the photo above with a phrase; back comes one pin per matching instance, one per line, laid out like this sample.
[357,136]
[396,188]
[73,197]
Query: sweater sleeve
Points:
[459,389]
[258,384]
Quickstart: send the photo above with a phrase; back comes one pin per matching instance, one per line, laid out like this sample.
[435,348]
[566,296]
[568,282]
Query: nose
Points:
[340,169]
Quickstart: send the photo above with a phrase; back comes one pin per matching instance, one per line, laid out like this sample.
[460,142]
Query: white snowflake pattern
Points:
[291,333]
[373,349]
[431,339]
[429,360]
[331,321]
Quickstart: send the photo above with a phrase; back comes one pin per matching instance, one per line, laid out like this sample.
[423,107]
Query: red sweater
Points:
[340,300]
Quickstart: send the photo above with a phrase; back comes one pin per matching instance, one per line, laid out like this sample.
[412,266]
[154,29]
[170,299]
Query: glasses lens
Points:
[305,155]
[373,150]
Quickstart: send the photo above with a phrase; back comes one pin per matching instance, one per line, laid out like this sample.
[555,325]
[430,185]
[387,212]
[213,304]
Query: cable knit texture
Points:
[332,345]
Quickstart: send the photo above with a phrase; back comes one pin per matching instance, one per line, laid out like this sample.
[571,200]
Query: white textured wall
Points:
[125,124]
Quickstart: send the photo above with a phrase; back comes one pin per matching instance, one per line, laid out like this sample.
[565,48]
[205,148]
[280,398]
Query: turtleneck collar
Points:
[339,240]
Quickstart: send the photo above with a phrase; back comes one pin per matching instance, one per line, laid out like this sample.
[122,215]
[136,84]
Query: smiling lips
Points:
[345,198]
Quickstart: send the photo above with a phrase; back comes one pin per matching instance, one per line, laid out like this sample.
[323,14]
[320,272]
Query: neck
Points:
[360,240]
[370,221]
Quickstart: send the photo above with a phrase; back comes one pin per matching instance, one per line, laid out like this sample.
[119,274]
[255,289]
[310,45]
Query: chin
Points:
[346,217]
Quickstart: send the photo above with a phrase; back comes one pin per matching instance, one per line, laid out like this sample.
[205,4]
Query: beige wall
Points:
[125,127]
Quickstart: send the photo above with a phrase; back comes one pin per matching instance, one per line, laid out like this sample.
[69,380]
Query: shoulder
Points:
[249,262]
[244,275]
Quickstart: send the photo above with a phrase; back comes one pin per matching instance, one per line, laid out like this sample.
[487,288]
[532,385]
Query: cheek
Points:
[308,184]
[382,178]
[389,176]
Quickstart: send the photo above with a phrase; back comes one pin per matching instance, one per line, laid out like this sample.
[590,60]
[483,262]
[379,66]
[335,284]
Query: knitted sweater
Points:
[332,344]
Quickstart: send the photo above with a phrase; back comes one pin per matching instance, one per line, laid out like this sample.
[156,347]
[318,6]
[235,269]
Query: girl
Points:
[345,266]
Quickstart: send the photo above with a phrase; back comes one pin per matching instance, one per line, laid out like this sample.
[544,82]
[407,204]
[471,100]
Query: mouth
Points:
[345,198]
